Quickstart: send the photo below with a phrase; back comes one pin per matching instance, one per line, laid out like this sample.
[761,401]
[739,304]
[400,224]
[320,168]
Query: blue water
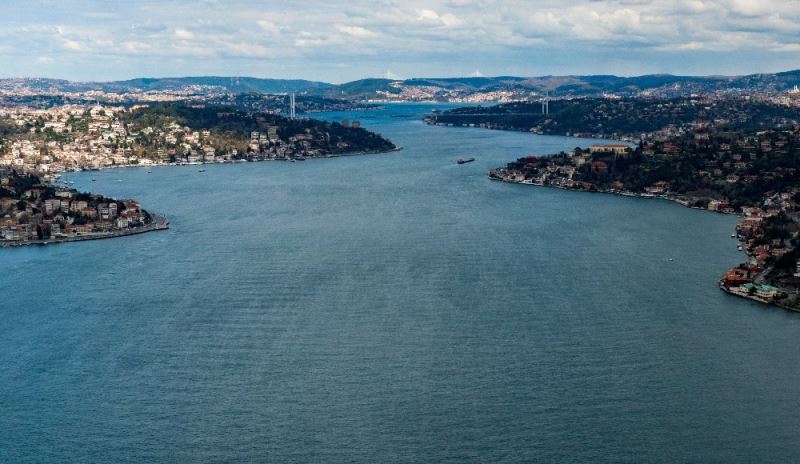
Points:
[392,308]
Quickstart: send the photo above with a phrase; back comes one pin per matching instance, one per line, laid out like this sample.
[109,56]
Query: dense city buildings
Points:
[35,211]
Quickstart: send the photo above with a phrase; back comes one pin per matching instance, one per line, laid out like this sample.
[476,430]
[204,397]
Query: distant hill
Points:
[624,118]
[363,88]
[229,84]
[198,85]
[441,89]
[664,85]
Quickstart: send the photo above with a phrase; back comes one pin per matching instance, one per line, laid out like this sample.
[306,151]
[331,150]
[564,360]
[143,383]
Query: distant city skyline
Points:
[325,41]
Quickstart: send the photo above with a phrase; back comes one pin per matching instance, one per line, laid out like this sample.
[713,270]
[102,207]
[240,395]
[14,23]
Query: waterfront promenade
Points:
[159,223]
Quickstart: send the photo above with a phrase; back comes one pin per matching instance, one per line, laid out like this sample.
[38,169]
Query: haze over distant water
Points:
[392,308]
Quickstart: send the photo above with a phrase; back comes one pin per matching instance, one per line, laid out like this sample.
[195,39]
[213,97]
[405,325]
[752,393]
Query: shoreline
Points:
[643,196]
[626,138]
[159,223]
[58,174]
[760,300]
[722,287]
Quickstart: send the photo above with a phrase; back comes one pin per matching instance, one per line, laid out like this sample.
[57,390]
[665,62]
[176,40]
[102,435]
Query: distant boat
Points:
[465,161]
[202,170]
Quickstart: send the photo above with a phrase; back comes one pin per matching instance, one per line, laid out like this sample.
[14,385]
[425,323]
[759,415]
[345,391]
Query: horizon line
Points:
[399,79]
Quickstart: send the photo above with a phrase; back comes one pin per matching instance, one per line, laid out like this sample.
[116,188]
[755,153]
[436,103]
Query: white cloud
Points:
[245,49]
[427,15]
[356,32]
[268,27]
[690,46]
[431,17]
[789,47]
[410,36]
[136,47]
[183,34]
[307,39]
[73,45]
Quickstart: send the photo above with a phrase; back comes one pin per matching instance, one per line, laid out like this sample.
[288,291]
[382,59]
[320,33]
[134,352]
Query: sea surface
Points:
[392,308]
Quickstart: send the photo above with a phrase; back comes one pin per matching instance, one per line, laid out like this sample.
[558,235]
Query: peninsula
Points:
[33,211]
[87,137]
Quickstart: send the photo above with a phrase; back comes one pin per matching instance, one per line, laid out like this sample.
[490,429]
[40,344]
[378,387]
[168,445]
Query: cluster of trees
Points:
[19,183]
[8,127]
[236,125]
[630,116]
[698,170]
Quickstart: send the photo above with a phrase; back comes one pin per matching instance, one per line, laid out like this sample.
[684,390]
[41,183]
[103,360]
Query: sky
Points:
[342,41]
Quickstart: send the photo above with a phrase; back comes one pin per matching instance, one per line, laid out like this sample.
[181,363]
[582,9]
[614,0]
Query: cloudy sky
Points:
[341,41]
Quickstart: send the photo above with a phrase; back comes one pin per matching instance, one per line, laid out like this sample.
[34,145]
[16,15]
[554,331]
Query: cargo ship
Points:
[465,161]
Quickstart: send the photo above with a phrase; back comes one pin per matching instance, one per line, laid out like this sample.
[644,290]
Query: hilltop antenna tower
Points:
[291,106]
